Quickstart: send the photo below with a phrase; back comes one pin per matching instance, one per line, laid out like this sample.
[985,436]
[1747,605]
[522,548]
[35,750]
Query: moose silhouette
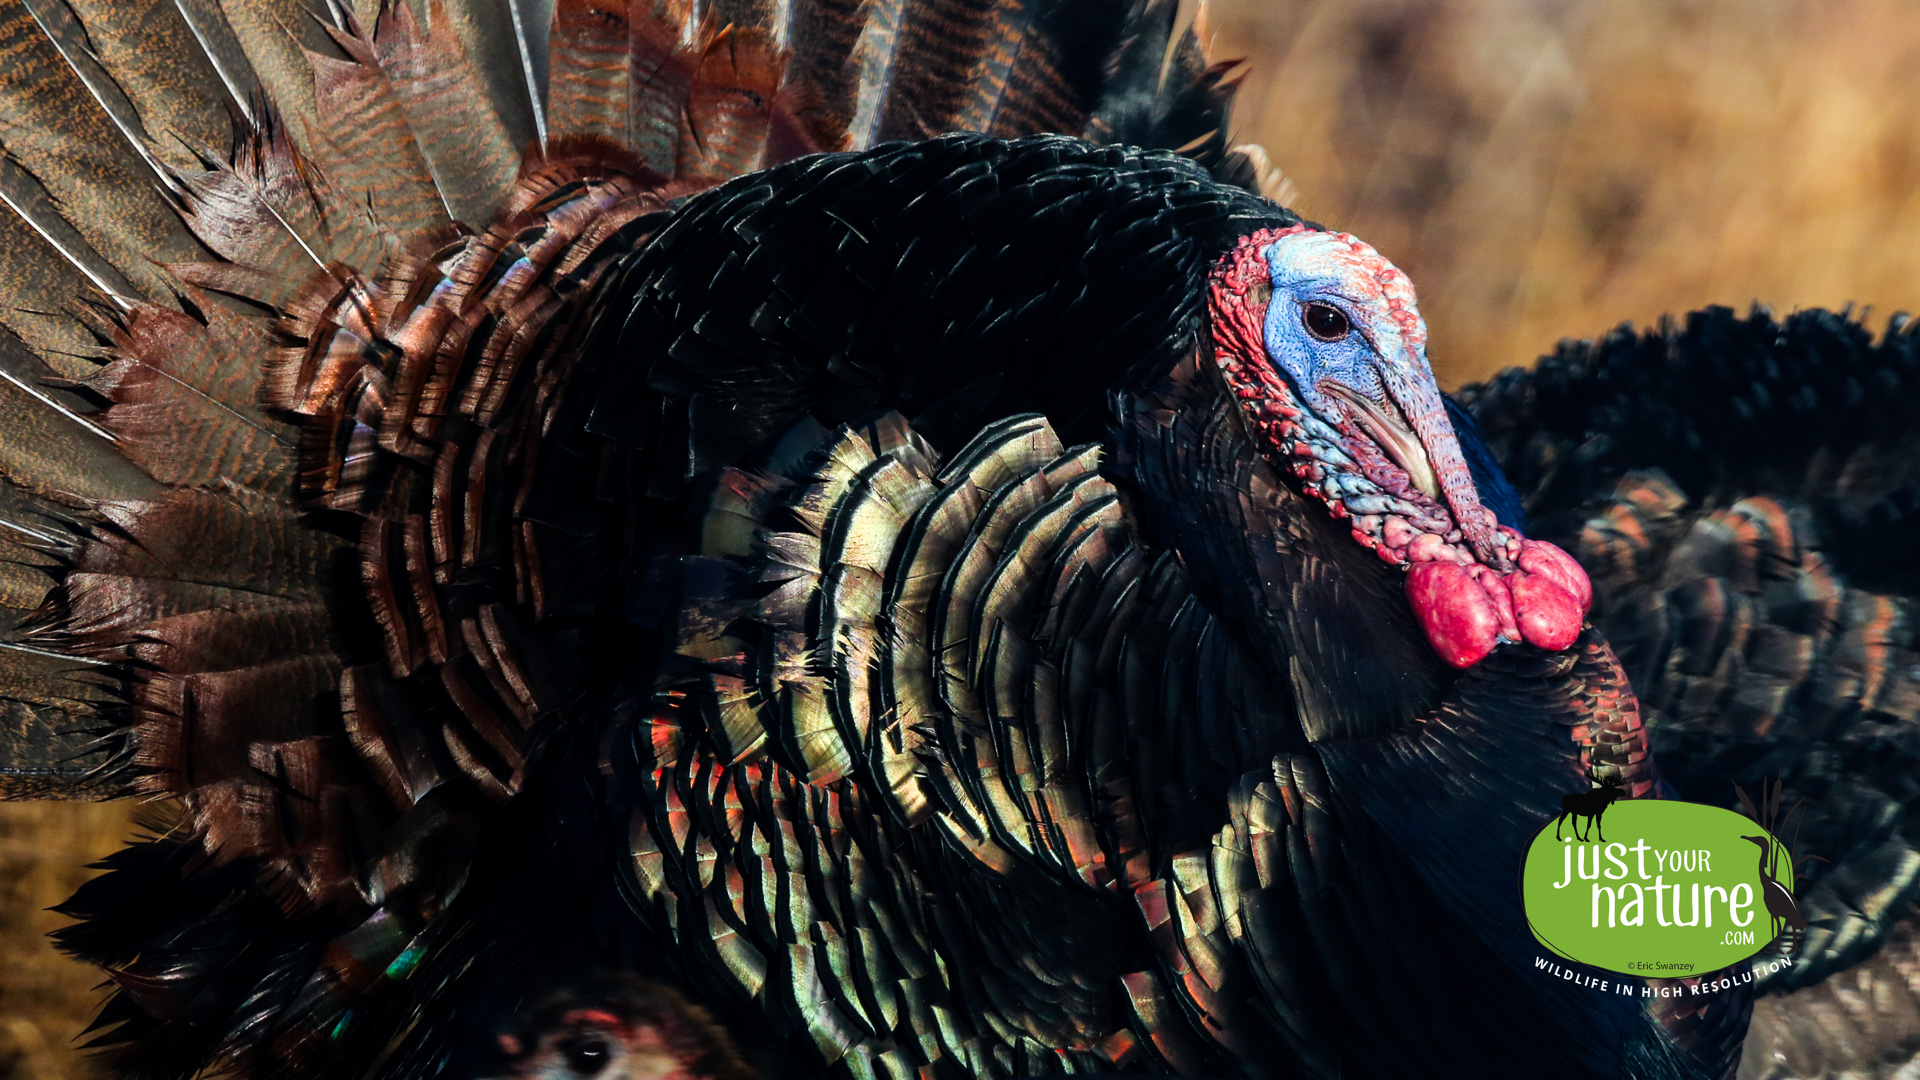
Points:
[1589,804]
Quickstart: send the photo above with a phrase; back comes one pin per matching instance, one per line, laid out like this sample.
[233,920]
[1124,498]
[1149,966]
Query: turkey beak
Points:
[1387,426]
[1410,386]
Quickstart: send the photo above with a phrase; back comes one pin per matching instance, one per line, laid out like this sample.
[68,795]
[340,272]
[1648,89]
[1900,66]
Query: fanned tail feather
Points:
[294,291]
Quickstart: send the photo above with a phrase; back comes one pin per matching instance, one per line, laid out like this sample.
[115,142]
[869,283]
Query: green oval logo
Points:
[1674,889]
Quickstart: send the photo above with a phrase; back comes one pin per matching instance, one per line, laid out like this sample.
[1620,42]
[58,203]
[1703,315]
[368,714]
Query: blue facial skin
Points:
[1307,360]
[1352,362]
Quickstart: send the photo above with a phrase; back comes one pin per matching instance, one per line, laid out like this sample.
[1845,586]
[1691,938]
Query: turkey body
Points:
[908,716]
[941,676]
[870,589]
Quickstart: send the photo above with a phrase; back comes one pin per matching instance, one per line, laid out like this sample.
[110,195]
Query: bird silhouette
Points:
[1779,901]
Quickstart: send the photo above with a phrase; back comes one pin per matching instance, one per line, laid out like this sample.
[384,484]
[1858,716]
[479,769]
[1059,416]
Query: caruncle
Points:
[1626,903]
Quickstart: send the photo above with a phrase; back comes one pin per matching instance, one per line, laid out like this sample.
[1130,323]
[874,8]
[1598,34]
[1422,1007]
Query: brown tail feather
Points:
[1036,96]
[365,145]
[473,156]
[49,746]
[265,212]
[946,47]
[978,97]
[587,69]
[660,69]
[823,35]
[184,401]
[153,57]
[273,37]
[57,133]
[485,31]
[42,287]
[729,108]
[872,68]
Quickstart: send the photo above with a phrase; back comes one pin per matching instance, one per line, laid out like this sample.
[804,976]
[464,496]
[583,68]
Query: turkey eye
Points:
[586,1057]
[1326,322]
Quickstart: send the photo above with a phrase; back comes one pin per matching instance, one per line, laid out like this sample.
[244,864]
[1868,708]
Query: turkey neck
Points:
[1326,619]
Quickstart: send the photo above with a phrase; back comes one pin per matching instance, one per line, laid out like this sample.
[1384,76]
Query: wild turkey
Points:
[996,605]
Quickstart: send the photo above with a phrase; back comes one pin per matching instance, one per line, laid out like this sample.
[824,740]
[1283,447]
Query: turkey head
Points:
[1321,341]
[619,1028]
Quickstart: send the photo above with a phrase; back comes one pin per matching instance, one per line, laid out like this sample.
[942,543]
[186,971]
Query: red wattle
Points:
[1461,622]
[1495,586]
[1548,615]
[1467,610]
[1540,557]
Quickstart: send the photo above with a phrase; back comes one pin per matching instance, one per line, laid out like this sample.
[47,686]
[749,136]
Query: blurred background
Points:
[1551,168]
[46,999]
[1542,168]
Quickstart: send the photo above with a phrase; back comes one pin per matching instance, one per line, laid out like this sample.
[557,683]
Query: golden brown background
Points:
[1549,168]
[1542,168]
